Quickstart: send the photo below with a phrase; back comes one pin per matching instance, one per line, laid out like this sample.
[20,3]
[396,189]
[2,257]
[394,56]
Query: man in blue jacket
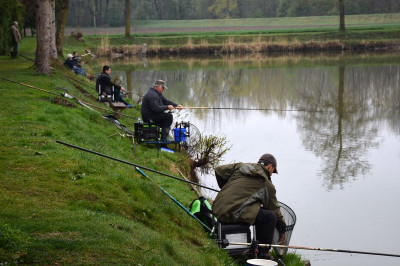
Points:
[154,107]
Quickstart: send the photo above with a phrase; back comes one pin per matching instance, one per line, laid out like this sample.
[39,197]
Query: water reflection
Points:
[347,98]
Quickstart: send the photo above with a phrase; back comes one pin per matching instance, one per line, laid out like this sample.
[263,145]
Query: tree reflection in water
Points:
[354,99]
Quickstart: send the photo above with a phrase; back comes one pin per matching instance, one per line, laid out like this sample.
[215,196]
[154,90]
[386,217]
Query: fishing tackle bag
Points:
[202,209]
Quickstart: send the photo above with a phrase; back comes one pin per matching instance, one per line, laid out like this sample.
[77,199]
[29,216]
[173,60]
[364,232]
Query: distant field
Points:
[260,24]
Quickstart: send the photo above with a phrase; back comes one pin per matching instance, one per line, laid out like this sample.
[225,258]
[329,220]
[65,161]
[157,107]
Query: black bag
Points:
[202,209]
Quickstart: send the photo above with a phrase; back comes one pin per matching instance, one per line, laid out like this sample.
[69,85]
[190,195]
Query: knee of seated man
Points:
[268,215]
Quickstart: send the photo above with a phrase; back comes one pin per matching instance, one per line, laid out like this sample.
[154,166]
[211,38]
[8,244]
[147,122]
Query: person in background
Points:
[154,105]
[76,59]
[15,38]
[105,86]
[70,64]
[248,196]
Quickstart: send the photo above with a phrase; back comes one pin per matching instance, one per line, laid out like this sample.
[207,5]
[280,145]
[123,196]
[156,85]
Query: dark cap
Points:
[266,159]
[162,83]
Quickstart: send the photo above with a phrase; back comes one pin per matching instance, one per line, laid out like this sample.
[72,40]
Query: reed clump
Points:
[103,49]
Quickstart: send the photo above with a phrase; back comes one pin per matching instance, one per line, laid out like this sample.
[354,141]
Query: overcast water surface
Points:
[334,129]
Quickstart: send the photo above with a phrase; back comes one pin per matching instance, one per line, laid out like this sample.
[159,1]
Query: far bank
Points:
[231,42]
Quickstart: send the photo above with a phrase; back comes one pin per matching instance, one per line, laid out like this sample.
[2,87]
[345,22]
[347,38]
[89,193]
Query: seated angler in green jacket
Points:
[248,196]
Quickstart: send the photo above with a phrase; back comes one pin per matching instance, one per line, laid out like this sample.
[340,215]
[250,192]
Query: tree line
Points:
[108,12]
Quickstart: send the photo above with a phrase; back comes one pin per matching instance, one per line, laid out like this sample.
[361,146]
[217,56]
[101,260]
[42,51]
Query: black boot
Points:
[164,136]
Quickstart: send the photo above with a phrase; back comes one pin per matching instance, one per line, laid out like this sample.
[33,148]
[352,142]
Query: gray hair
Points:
[15,22]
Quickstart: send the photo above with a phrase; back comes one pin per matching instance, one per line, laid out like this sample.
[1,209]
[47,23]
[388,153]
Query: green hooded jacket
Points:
[245,187]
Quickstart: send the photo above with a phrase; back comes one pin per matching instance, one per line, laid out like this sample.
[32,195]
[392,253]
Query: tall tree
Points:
[225,9]
[127,18]
[93,5]
[61,18]
[341,12]
[45,34]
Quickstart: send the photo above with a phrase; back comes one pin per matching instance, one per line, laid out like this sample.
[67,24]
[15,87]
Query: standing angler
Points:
[248,196]
[154,105]
[15,38]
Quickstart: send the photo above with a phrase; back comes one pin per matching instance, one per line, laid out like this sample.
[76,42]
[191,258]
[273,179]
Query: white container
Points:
[261,262]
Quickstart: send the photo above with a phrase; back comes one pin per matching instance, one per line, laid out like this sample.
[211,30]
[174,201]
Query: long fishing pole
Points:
[30,59]
[33,87]
[174,200]
[75,80]
[318,249]
[251,109]
[66,95]
[132,164]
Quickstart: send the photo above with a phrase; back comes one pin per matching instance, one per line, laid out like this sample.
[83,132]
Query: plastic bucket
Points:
[180,134]
[261,262]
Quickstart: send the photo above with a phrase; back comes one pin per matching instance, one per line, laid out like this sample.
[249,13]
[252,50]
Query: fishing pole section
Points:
[66,95]
[249,109]
[174,200]
[225,242]
[133,164]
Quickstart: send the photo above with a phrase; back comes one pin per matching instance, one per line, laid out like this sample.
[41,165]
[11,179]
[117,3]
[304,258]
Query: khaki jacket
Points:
[245,187]
[16,37]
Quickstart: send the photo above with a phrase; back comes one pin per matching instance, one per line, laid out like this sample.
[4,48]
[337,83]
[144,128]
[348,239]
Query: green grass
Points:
[287,37]
[59,205]
[283,31]
[372,19]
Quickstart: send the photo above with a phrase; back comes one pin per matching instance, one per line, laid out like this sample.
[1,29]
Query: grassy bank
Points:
[63,206]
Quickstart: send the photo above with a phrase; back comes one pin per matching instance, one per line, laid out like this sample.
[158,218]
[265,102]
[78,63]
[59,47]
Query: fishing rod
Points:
[66,95]
[36,88]
[34,61]
[312,248]
[174,200]
[132,164]
[251,109]
[75,80]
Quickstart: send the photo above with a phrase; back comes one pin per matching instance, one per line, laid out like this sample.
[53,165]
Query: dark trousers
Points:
[118,97]
[265,225]
[15,49]
[163,120]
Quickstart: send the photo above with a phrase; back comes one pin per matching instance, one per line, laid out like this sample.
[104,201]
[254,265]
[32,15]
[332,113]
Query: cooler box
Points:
[180,134]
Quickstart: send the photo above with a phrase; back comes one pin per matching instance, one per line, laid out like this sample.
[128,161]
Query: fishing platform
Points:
[150,133]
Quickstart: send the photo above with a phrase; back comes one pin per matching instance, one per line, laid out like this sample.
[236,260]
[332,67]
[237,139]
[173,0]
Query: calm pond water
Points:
[338,158]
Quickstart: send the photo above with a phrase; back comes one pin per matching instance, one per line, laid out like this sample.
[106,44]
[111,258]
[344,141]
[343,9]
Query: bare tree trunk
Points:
[45,34]
[341,12]
[94,15]
[61,21]
[127,18]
